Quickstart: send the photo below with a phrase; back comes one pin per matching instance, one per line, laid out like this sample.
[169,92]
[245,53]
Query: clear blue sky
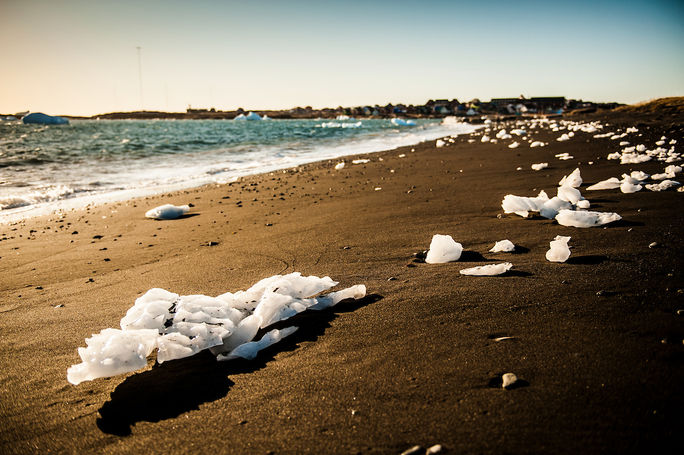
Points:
[79,56]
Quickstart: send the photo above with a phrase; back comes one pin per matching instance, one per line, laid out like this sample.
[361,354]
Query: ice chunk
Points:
[570,194]
[443,248]
[564,137]
[339,166]
[181,326]
[629,187]
[440,143]
[574,179]
[608,184]
[487,270]
[521,205]
[167,212]
[503,246]
[559,251]
[250,350]
[113,352]
[43,119]
[551,207]
[539,166]
[662,186]
[513,145]
[639,175]
[402,122]
[361,161]
[584,219]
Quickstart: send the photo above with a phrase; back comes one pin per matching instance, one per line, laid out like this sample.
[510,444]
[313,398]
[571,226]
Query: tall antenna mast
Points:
[142,105]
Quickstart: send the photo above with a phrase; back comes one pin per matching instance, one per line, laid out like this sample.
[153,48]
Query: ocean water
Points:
[48,168]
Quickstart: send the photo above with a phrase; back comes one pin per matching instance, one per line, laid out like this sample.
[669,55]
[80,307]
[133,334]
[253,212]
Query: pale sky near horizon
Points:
[79,57]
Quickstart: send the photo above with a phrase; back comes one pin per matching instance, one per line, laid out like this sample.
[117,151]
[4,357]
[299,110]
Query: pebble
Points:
[415,450]
[508,379]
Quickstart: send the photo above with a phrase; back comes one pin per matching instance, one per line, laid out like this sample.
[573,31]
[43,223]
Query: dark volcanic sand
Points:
[597,340]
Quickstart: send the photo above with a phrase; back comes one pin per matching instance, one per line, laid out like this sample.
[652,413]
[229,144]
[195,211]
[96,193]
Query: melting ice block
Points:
[662,186]
[584,219]
[521,205]
[503,246]
[559,251]
[608,184]
[487,270]
[181,326]
[569,194]
[443,248]
[167,212]
[629,187]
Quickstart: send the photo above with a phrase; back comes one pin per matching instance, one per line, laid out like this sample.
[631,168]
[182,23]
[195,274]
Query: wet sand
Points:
[596,341]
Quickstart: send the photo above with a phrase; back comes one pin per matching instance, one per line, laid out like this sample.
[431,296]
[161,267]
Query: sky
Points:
[80,57]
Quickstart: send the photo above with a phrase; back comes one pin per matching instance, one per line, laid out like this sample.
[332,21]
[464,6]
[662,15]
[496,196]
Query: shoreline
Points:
[597,340]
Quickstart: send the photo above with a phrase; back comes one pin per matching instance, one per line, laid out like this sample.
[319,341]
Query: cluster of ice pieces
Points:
[635,181]
[636,154]
[167,212]
[181,326]
[568,207]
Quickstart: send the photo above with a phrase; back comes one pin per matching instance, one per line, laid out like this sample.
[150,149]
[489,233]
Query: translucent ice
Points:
[181,326]
[559,251]
[167,212]
[521,205]
[608,184]
[584,219]
[443,248]
[487,270]
[662,186]
[574,179]
[503,246]
[402,122]
[570,194]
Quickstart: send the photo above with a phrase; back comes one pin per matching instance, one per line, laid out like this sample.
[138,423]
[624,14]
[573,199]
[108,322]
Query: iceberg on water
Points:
[43,119]
[487,270]
[253,116]
[443,249]
[585,219]
[181,326]
[503,246]
[559,251]
[402,122]
[167,212]
[608,184]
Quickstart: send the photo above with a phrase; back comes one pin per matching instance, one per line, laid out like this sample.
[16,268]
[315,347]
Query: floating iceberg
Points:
[167,212]
[181,326]
[503,246]
[537,144]
[43,119]
[443,249]
[585,219]
[559,251]
[551,207]
[513,145]
[402,122]
[487,270]
[253,116]
[608,184]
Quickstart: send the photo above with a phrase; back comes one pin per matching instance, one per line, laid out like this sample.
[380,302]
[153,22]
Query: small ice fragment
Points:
[503,338]
[437,448]
[485,138]
[608,184]
[628,187]
[443,249]
[539,166]
[361,161]
[513,145]
[662,186]
[339,166]
[377,188]
[583,204]
[167,212]
[403,155]
[653,244]
[508,379]
[503,246]
[559,250]
[440,143]
[570,194]
[574,179]
[487,270]
[639,175]
[585,219]
[537,144]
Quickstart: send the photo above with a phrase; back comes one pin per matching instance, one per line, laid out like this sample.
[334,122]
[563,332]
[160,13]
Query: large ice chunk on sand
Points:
[585,219]
[443,248]
[488,270]
[559,251]
[167,212]
[112,352]
[608,184]
[181,326]
[503,246]
[521,205]
[574,179]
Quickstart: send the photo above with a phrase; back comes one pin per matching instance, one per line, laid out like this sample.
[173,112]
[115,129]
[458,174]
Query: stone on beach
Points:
[443,249]
[559,251]
[487,270]
[181,326]
[503,246]
[167,212]
[585,219]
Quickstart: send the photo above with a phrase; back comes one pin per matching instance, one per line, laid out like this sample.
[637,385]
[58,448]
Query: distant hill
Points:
[671,105]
